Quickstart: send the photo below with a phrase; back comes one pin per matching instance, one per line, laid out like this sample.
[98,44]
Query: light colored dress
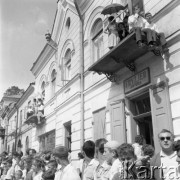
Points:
[113,38]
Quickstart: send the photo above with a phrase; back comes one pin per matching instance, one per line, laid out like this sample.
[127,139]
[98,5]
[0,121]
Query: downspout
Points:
[16,127]
[81,34]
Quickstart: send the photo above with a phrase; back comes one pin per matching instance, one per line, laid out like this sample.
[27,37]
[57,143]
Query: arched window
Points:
[43,89]
[97,40]
[53,82]
[67,65]
[27,143]
[8,148]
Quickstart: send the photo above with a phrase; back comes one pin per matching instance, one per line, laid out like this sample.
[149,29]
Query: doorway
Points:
[141,110]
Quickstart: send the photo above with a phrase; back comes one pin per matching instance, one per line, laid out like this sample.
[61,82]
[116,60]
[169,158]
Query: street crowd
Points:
[99,160]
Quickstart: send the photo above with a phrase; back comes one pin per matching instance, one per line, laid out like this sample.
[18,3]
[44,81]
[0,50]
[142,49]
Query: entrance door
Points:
[141,110]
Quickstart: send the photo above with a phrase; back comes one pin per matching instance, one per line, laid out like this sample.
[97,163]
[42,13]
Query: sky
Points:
[23,24]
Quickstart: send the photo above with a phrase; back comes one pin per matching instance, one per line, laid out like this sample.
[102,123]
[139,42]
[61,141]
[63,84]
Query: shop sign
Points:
[136,81]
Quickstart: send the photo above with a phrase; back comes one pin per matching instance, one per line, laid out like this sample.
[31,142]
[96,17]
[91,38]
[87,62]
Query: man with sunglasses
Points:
[165,160]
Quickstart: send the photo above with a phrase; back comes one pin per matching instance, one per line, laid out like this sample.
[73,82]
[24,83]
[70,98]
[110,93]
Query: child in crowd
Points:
[18,175]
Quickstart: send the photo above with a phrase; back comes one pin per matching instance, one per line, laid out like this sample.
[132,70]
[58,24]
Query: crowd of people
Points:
[139,23]
[99,160]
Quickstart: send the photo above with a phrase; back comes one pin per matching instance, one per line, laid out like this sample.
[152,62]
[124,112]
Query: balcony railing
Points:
[122,55]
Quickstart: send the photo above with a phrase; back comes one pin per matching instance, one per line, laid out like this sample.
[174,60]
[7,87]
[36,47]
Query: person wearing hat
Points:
[65,170]
[110,152]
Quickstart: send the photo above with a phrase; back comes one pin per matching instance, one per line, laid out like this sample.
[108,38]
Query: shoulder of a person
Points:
[154,158]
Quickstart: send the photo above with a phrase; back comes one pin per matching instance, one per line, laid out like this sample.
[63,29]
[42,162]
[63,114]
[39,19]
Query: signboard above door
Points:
[136,81]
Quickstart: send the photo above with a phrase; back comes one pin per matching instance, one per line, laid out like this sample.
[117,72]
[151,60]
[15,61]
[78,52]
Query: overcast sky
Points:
[23,24]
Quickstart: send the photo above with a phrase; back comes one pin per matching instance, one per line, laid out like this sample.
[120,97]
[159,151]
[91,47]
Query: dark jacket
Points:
[156,162]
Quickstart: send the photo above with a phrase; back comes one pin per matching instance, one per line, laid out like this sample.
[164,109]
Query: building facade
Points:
[18,133]
[91,92]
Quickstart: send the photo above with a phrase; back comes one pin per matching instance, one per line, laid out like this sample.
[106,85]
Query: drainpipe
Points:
[16,127]
[81,34]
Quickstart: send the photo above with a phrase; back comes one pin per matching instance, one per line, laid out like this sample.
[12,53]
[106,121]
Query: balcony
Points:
[12,133]
[33,116]
[123,54]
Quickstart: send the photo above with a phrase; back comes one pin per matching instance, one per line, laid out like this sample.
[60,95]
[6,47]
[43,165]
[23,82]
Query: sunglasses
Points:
[167,138]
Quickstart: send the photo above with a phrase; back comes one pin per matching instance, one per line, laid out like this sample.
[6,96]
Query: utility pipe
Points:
[81,34]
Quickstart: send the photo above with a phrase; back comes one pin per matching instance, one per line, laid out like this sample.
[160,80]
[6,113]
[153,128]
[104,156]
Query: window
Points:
[20,118]
[67,65]
[97,40]
[68,23]
[43,89]
[53,82]
[67,127]
[47,141]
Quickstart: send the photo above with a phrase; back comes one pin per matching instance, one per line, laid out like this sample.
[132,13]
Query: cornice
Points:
[44,57]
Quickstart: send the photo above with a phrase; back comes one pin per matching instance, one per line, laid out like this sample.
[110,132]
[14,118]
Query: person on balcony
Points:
[112,30]
[136,23]
[155,34]
[40,112]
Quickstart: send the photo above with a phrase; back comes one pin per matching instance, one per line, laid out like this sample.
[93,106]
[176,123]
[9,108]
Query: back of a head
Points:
[139,139]
[176,145]
[113,145]
[80,155]
[125,150]
[148,150]
[89,149]
[61,152]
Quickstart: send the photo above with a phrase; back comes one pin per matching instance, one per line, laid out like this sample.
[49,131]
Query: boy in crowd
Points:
[90,163]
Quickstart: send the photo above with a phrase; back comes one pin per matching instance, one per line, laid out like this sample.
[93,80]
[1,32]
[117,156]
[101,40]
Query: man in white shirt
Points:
[136,23]
[166,158]
[65,170]
[110,152]
[90,163]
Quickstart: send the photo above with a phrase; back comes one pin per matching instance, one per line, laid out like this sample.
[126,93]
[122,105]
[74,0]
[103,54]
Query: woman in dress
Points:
[112,30]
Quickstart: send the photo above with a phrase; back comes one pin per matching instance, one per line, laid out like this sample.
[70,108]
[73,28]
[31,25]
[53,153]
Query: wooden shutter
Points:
[99,124]
[118,129]
[160,107]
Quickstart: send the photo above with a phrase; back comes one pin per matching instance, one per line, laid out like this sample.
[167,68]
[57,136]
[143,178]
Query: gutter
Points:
[81,34]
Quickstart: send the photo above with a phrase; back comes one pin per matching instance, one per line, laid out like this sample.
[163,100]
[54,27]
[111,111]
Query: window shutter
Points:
[99,124]
[118,128]
[160,107]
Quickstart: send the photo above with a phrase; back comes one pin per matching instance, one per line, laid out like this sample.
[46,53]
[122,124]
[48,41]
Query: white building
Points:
[18,133]
[80,104]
